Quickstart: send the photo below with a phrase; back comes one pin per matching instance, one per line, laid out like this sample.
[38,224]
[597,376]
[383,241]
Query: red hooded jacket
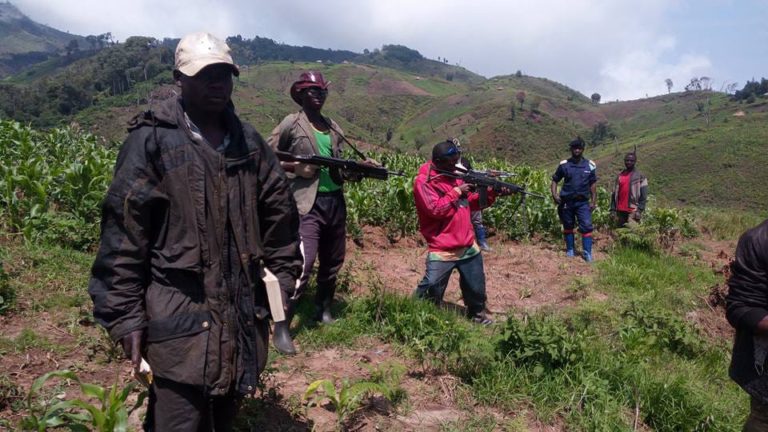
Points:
[444,217]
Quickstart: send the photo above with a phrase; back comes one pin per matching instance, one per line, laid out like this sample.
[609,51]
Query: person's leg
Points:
[175,407]
[224,410]
[435,280]
[621,218]
[481,234]
[568,218]
[331,252]
[584,215]
[472,284]
[309,231]
[758,417]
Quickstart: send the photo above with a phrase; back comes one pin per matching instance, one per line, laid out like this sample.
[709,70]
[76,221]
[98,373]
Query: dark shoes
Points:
[282,338]
[323,314]
[481,318]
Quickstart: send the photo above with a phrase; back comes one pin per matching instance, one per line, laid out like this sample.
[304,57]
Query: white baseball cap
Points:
[198,50]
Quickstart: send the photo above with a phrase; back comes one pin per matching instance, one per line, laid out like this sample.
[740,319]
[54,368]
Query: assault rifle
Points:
[493,173]
[478,179]
[352,166]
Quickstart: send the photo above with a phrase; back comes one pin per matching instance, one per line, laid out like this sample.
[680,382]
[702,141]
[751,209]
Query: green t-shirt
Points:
[324,146]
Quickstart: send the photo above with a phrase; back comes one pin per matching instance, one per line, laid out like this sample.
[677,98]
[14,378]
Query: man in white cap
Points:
[198,206]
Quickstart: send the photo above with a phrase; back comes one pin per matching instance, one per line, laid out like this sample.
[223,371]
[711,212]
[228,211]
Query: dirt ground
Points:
[521,277]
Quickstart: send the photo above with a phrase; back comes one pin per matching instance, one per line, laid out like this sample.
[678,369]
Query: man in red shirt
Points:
[443,204]
[630,193]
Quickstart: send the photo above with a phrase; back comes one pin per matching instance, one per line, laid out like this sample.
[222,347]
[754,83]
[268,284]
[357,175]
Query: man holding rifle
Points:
[319,196]
[443,203]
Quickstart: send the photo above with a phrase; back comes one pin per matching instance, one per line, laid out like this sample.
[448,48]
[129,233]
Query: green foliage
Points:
[543,341]
[751,90]
[7,292]
[389,376]
[112,71]
[726,225]
[109,414]
[660,228]
[434,336]
[346,400]
[52,192]
[646,329]
[11,396]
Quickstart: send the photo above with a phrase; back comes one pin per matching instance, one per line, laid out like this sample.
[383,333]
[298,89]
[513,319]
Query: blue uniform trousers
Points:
[570,211]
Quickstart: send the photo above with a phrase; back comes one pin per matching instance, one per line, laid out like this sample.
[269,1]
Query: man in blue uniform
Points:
[577,197]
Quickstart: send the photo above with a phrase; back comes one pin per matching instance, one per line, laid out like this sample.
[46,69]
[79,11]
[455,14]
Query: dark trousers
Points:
[471,282]
[179,407]
[758,416]
[323,233]
[570,211]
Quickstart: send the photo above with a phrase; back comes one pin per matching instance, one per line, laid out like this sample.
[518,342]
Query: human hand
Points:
[505,191]
[132,346]
[371,162]
[463,188]
[637,215]
[556,199]
[304,170]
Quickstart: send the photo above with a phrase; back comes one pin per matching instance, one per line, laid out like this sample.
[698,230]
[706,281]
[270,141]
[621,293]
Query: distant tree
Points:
[705,83]
[72,47]
[401,53]
[751,90]
[731,88]
[389,134]
[595,98]
[602,131]
[366,52]
[669,85]
[694,85]
[512,111]
[449,76]
[519,73]
[703,107]
[520,96]
[92,41]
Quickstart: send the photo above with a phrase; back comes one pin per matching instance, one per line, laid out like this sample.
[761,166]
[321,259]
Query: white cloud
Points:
[618,48]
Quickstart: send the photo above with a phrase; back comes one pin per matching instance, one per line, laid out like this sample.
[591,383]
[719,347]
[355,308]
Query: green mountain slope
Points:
[691,145]
[24,42]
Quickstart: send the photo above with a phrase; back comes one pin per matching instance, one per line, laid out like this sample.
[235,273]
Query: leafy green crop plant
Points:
[109,413]
[346,400]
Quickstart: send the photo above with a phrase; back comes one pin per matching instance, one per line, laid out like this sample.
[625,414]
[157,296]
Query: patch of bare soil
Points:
[588,118]
[710,319]
[386,86]
[519,277]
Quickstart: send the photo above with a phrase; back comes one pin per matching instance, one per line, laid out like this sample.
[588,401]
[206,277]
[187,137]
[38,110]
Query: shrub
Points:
[542,341]
[7,292]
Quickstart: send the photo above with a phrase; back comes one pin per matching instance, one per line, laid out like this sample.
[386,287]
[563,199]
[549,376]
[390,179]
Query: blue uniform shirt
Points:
[578,178]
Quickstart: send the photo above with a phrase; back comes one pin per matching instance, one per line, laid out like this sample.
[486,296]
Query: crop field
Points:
[631,342]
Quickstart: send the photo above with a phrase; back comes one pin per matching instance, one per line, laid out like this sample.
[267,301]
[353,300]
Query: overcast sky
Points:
[620,49]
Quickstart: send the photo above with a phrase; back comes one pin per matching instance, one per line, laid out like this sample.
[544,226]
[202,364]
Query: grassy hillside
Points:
[689,162]
[24,42]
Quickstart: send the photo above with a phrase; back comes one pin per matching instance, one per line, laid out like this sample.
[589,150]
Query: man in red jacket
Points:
[443,204]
